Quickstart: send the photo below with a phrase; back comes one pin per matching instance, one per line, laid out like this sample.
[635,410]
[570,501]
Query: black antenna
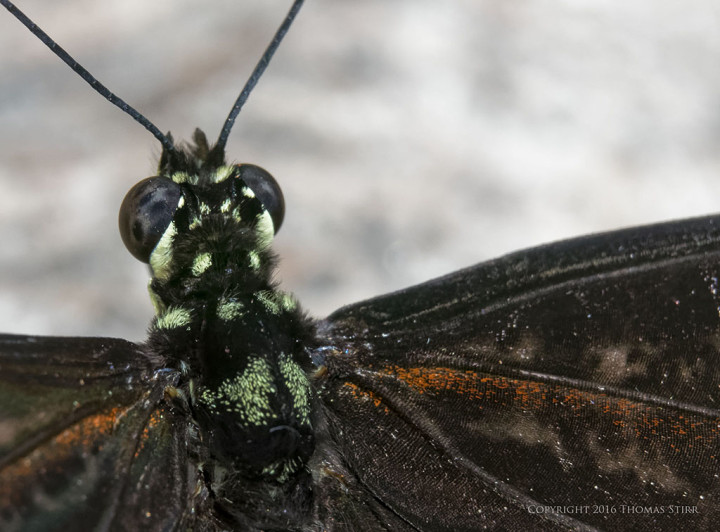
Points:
[255,76]
[165,140]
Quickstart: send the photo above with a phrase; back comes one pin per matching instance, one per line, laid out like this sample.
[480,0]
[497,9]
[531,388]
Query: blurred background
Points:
[411,137]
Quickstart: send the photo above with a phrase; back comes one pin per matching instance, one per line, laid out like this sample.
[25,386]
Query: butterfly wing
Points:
[572,385]
[86,439]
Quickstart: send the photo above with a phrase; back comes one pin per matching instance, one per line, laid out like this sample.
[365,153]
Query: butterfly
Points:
[411,327]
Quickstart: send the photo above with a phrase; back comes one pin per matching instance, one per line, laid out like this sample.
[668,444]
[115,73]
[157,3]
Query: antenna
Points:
[88,77]
[165,140]
[255,76]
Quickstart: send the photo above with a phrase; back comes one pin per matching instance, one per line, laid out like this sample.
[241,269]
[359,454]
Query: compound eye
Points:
[145,214]
[266,189]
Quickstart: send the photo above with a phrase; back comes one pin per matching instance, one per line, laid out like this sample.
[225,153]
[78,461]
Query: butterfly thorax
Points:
[222,322]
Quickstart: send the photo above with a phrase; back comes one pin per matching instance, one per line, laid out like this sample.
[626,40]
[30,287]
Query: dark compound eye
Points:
[145,214]
[266,189]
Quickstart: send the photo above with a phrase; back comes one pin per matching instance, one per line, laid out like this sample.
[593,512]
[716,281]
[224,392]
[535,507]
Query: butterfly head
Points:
[200,213]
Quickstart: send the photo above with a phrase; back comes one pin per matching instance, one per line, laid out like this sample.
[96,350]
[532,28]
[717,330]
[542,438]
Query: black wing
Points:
[572,385]
[86,439]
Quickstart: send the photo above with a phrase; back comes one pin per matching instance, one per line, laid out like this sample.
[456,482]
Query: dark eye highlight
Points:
[145,214]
